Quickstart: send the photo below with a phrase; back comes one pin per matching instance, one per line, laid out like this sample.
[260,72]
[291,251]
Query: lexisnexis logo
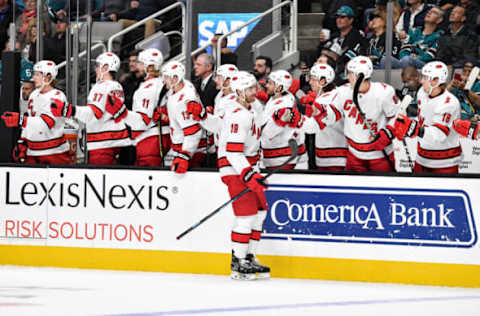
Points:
[440,218]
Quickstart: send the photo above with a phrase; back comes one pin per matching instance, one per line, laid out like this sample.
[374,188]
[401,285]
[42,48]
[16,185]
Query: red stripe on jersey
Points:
[235,147]
[223,162]
[331,152]
[240,238]
[96,111]
[107,135]
[282,152]
[135,134]
[145,118]
[443,128]
[256,235]
[361,146]
[286,167]
[47,144]
[202,143]
[439,154]
[48,120]
[338,116]
[187,131]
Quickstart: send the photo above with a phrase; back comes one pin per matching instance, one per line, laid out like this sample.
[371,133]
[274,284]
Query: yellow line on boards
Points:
[219,263]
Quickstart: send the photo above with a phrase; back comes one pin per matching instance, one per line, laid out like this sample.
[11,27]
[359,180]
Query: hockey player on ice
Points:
[368,130]
[330,143]
[438,149]
[143,116]
[105,133]
[238,154]
[42,139]
[282,121]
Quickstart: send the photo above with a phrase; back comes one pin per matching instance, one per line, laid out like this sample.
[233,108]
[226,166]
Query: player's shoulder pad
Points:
[447,103]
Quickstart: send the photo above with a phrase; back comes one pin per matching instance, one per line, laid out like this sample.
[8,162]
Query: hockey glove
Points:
[296,120]
[19,153]
[407,127]
[253,180]
[283,116]
[116,108]
[14,119]
[466,128]
[308,99]
[161,114]
[383,138]
[62,109]
[198,111]
[180,163]
[262,96]
[318,112]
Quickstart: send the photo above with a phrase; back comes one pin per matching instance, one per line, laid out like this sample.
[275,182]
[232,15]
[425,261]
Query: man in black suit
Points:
[205,83]
[207,89]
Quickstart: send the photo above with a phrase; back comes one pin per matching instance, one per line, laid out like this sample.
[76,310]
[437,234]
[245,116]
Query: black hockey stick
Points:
[356,88]
[293,147]
[403,110]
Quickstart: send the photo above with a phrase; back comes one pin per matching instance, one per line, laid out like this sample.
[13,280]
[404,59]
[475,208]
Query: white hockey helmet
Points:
[151,57]
[242,81]
[436,69]
[360,64]
[320,71]
[109,59]
[174,68]
[281,78]
[227,71]
[46,67]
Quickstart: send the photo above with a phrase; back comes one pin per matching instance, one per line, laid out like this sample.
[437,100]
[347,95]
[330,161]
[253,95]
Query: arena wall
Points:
[402,229]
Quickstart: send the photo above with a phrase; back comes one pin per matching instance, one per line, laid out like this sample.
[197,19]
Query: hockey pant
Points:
[103,156]
[421,169]
[54,159]
[148,152]
[380,164]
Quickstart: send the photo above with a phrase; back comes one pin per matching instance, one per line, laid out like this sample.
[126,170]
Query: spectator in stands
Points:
[54,46]
[422,42]
[228,56]
[413,16]
[331,7]
[204,83]
[469,99]
[6,15]
[140,9]
[347,43]
[411,84]
[472,10]
[29,13]
[376,42]
[262,68]
[74,10]
[459,43]
[109,10]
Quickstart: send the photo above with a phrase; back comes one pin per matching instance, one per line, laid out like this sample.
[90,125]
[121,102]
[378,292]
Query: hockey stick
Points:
[356,88]
[403,110]
[472,78]
[293,147]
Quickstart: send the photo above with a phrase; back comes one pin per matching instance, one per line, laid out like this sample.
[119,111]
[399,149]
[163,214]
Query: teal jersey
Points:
[423,46]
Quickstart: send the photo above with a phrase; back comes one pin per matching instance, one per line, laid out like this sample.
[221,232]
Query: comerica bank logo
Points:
[441,218]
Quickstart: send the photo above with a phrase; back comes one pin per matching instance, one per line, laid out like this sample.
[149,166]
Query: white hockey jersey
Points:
[330,143]
[102,131]
[379,105]
[440,145]
[145,100]
[44,132]
[239,141]
[274,139]
[186,133]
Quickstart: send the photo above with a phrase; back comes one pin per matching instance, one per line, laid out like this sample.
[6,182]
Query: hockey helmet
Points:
[46,67]
[320,71]
[227,71]
[109,59]
[151,57]
[359,65]
[436,69]
[174,68]
[242,81]
[281,78]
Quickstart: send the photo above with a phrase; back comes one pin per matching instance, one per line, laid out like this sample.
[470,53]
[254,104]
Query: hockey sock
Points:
[241,233]
[256,231]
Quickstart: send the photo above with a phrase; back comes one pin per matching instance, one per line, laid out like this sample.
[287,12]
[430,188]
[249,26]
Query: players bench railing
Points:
[288,53]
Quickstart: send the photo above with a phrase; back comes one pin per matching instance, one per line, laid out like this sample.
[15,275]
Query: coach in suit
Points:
[205,83]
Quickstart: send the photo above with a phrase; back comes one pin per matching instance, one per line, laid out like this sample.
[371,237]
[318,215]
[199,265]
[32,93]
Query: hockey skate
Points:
[261,271]
[242,269]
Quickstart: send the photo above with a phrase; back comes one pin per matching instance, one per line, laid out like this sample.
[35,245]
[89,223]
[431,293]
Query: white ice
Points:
[48,291]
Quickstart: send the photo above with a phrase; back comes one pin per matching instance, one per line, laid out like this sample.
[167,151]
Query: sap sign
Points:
[441,218]
[211,24]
